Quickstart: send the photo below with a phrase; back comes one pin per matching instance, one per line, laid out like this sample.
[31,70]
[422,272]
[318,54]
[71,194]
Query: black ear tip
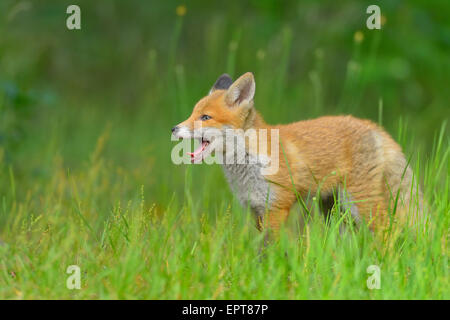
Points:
[225,78]
[223,82]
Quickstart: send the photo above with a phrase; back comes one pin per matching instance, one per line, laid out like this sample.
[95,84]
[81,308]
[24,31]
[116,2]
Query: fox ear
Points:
[241,91]
[222,83]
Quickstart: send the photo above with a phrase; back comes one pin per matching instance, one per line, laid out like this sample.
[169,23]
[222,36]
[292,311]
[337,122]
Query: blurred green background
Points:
[113,89]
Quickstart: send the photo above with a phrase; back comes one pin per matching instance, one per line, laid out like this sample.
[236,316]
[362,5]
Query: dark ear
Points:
[223,83]
[241,91]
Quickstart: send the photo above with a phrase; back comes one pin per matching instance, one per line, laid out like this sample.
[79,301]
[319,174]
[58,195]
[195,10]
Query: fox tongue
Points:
[198,150]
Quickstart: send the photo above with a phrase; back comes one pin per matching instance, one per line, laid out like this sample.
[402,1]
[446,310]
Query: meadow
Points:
[86,177]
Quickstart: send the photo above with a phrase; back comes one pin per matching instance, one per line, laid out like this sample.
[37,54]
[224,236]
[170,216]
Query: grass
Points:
[201,246]
[85,171]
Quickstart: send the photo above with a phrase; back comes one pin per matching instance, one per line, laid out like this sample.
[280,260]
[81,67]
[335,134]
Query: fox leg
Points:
[271,223]
[376,199]
[371,204]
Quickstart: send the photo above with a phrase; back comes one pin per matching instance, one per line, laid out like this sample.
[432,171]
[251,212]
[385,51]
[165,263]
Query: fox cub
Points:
[332,157]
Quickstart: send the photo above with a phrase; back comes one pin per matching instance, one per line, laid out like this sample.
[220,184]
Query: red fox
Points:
[333,156]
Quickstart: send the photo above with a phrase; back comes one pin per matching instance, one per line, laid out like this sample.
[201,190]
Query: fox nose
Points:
[174,129]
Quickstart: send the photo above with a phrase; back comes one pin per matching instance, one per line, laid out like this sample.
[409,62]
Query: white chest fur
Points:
[249,186]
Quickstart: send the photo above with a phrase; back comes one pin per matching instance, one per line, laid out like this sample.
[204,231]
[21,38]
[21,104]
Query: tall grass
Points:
[99,218]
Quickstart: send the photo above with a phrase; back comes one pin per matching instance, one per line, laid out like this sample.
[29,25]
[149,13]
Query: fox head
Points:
[229,105]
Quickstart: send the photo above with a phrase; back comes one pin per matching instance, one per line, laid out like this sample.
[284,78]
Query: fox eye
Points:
[205,117]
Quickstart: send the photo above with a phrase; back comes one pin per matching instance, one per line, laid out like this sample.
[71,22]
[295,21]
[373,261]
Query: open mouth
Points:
[197,155]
